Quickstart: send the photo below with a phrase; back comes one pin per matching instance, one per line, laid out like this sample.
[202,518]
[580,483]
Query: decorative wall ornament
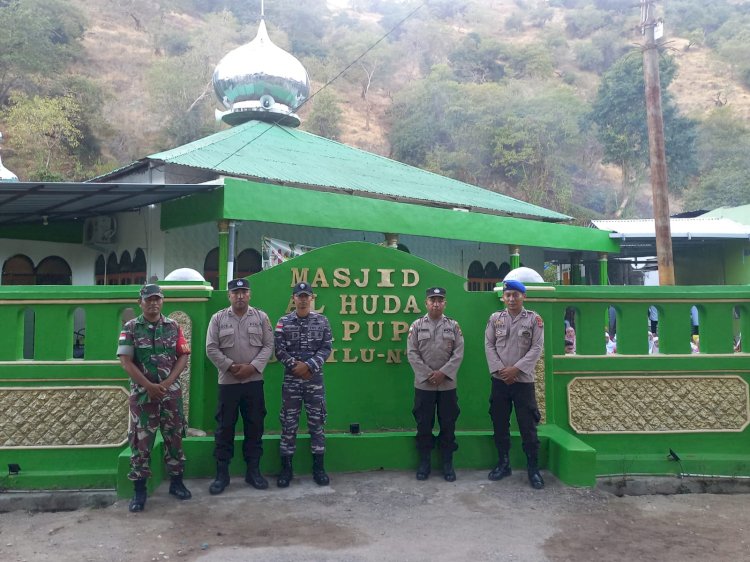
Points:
[64,416]
[540,389]
[187,329]
[673,404]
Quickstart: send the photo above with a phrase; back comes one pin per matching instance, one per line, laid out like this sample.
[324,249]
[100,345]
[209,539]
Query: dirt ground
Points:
[390,516]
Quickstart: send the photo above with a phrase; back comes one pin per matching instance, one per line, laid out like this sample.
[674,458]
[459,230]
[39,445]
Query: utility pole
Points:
[657,154]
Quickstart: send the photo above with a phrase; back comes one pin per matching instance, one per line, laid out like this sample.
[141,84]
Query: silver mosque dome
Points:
[5,174]
[260,81]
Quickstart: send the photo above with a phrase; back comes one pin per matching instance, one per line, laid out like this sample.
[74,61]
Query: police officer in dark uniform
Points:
[514,340]
[435,349]
[239,342]
[303,343]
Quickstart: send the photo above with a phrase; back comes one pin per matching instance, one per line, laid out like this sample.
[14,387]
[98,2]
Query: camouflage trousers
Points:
[148,416]
[294,393]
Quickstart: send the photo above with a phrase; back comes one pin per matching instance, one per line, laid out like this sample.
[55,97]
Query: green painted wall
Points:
[71,232]
[737,260]
[369,381]
[252,201]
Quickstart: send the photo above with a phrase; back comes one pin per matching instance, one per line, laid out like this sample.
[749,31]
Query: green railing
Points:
[604,414]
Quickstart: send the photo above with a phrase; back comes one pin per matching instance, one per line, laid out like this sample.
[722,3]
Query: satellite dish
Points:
[267,101]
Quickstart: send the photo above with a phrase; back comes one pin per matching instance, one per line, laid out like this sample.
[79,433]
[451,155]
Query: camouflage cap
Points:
[151,290]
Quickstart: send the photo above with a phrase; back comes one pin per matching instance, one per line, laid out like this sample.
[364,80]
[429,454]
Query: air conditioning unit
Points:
[100,231]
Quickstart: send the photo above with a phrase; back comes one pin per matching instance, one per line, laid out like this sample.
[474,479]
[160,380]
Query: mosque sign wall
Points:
[602,409]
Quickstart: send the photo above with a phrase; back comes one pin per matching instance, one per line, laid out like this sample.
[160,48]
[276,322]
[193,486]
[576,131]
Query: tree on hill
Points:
[325,117]
[45,132]
[518,137]
[619,111]
[37,38]
[180,88]
[723,146]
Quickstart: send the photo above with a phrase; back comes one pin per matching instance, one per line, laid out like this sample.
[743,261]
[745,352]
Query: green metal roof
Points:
[739,214]
[276,154]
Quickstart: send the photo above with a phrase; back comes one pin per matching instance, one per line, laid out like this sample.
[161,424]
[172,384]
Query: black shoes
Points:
[502,469]
[222,479]
[448,472]
[424,468]
[254,477]
[535,479]
[286,474]
[139,498]
[319,471]
[177,488]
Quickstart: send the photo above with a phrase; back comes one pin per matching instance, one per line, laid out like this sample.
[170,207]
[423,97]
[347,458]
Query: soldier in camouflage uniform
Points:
[513,343]
[303,343]
[154,352]
[435,348]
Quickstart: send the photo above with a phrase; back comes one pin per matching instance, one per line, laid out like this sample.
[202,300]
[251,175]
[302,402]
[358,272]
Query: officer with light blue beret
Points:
[514,340]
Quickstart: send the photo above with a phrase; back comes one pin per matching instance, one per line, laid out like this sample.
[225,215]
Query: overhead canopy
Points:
[699,228]
[637,237]
[42,203]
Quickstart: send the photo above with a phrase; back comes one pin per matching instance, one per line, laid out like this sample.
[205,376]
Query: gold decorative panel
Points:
[669,404]
[81,416]
[539,389]
[187,330]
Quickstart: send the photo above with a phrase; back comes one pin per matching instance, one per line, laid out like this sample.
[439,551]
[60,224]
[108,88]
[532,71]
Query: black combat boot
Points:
[253,475]
[286,474]
[139,498]
[448,472]
[424,468]
[503,467]
[177,488]
[222,478]
[319,472]
[535,479]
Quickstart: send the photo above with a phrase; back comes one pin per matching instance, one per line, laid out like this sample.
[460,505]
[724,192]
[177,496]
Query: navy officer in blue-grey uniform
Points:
[303,343]
[239,342]
[435,349]
[514,339]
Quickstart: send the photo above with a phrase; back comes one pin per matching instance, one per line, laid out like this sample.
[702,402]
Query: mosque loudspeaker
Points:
[99,231]
[267,101]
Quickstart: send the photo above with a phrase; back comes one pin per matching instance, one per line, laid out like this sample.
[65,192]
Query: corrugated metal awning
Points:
[29,202]
[689,228]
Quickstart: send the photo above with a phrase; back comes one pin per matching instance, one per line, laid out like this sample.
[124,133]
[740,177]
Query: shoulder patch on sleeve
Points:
[539,321]
[183,346]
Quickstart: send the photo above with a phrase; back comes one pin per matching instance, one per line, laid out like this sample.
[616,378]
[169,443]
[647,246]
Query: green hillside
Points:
[540,100]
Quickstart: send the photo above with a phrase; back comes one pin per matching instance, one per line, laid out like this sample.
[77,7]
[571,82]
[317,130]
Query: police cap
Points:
[436,292]
[238,284]
[150,290]
[514,286]
[302,289]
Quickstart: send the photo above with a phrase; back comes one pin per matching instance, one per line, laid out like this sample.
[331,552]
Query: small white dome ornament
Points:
[260,81]
[524,275]
[184,274]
